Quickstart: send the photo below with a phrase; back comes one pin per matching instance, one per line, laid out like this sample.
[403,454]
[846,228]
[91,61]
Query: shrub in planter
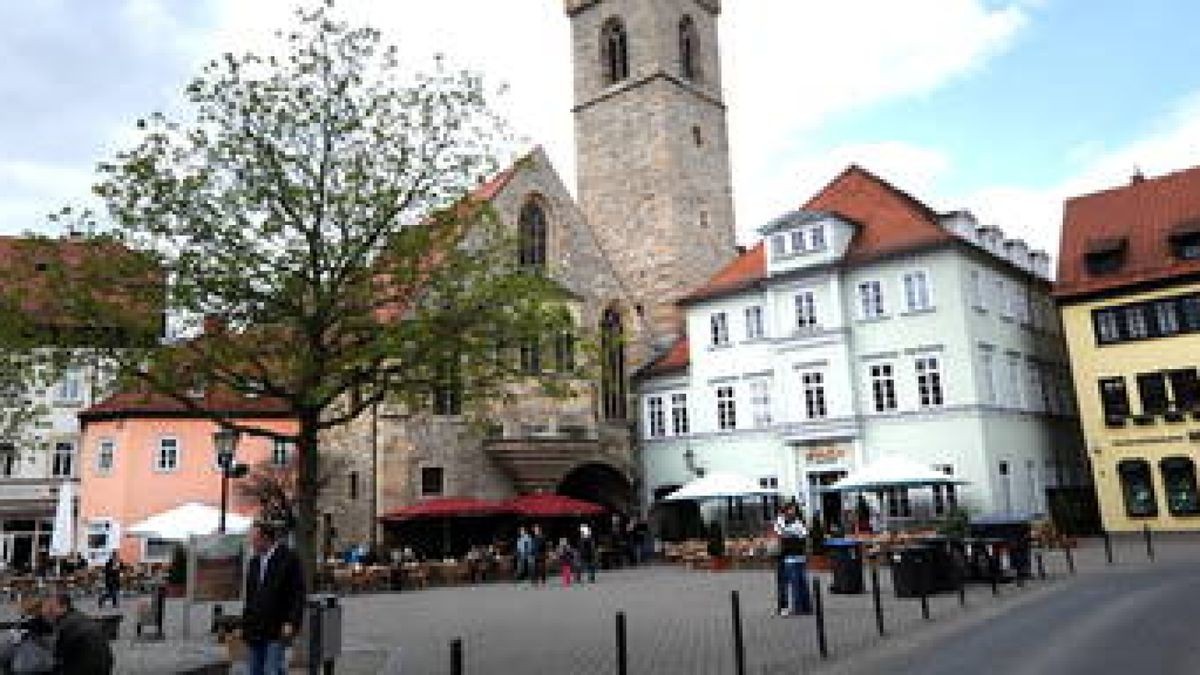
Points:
[177,572]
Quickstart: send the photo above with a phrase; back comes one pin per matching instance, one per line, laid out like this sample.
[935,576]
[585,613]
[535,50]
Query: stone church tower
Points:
[652,148]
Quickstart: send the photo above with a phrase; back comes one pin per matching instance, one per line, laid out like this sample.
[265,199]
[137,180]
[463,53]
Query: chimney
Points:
[1138,177]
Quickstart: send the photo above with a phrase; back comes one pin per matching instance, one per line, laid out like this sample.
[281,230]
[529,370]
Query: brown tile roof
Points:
[889,221]
[1144,215]
[675,359]
[145,404]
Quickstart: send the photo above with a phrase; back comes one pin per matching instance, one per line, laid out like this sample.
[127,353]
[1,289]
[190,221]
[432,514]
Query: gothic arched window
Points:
[689,49]
[531,237]
[614,51]
[612,363]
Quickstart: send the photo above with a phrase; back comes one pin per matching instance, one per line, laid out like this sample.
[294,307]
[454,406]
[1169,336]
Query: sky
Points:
[1001,107]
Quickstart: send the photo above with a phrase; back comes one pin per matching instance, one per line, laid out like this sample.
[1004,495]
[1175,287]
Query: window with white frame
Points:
[106,454]
[883,387]
[816,238]
[1015,396]
[987,376]
[1000,297]
[167,457]
[719,325]
[768,482]
[975,288]
[813,384]
[726,409]
[754,322]
[70,388]
[929,382]
[656,417]
[98,538]
[158,550]
[870,299]
[806,310]
[1108,328]
[63,460]
[281,452]
[9,460]
[945,497]
[760,402]
[798,244]
[778,246]
[679,414]
[1020,300]
[916,291]
[1034,401]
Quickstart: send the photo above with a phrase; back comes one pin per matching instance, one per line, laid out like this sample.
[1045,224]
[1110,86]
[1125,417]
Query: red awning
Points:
[448,507]
[553,506]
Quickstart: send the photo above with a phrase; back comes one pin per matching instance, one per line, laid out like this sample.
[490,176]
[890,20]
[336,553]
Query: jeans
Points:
[590,565]
[793,587]
[112,594]
[524,566]
[265,658]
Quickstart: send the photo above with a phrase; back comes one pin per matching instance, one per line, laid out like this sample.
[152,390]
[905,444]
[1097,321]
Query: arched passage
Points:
[600,484]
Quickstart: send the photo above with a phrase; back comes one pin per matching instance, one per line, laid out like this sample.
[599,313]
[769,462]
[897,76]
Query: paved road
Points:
[1141,620]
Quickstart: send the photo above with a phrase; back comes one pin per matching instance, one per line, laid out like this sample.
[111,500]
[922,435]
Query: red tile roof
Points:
[889,221]
[144,404]
[1144,214]
[675,359]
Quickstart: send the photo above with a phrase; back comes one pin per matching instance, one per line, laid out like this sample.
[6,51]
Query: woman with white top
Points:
[792,584]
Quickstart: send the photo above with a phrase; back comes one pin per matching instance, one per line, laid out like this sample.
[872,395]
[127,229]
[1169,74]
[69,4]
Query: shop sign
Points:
[825,454]
[26,491]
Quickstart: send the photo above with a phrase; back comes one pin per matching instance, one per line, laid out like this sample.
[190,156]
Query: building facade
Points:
[654,218]
[1129,292]
[143,455]
[865,325]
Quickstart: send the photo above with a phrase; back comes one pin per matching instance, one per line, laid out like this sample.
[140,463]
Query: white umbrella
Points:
[719,484]
[62,540]
[192,518]
[892,471]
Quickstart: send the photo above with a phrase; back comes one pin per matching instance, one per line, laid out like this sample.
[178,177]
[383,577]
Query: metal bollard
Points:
[1070,559]
[819,609]
[994,571]
[1149,543]
[1041,566]
[739,644]
[962,590]
[925,603]
[1108,554]
[875,598]
[316,641]
[622,646]
[456,656]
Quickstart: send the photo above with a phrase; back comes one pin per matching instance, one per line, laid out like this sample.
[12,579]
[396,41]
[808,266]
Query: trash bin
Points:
[944,563]
[1017,536]
[847,560]
[322,628]
[912,574]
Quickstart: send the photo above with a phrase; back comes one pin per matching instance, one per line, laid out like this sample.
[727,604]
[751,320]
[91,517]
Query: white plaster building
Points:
[864,325]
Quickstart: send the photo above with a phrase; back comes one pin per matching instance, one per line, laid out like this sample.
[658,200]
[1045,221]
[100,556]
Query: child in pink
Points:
[566,561]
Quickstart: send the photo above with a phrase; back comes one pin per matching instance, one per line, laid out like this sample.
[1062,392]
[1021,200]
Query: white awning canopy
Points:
[719,484]
[192,518]
[890,472]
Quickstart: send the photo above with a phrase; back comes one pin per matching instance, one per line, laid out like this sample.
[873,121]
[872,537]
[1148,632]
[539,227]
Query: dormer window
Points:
[1185,240]
[778,246]
[817,238]
[1105,256]
[798,241]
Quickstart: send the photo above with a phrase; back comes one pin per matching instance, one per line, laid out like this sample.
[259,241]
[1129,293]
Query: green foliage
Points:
[957,524]
[321,204]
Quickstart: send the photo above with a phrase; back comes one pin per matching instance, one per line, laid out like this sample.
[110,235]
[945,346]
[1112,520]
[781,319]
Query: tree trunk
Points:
[307,487]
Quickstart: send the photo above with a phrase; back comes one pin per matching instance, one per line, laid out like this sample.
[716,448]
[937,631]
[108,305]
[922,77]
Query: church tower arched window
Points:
[612,364]
[614,51]
[531,237]
[689,48]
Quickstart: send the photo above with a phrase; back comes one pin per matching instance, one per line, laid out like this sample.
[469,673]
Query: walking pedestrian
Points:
[791,581]
[566,561]
[274,607]
[587,555]
[112,581]
[539,555]
[80,647]
[524,555]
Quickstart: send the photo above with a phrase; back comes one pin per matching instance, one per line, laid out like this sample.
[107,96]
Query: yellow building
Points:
[1129,291]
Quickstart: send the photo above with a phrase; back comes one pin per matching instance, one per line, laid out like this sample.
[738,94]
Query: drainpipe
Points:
[375,477]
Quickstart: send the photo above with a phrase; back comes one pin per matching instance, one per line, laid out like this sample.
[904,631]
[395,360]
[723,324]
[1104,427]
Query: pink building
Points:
[144,454]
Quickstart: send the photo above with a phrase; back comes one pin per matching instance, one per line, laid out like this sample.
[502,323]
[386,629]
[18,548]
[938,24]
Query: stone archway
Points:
[599,483]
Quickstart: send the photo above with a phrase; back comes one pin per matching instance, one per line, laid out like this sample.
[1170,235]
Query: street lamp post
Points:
[225,441]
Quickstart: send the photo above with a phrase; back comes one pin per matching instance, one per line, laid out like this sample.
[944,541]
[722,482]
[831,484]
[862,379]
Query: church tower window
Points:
[531,237]
[688,49]
[614,51]
[612,355]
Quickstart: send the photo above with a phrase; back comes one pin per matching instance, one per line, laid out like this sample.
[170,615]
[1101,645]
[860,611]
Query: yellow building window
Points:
[1179,482]
[1137,488]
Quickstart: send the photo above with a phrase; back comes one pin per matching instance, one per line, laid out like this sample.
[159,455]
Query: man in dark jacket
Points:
[80,647]
[274,607]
